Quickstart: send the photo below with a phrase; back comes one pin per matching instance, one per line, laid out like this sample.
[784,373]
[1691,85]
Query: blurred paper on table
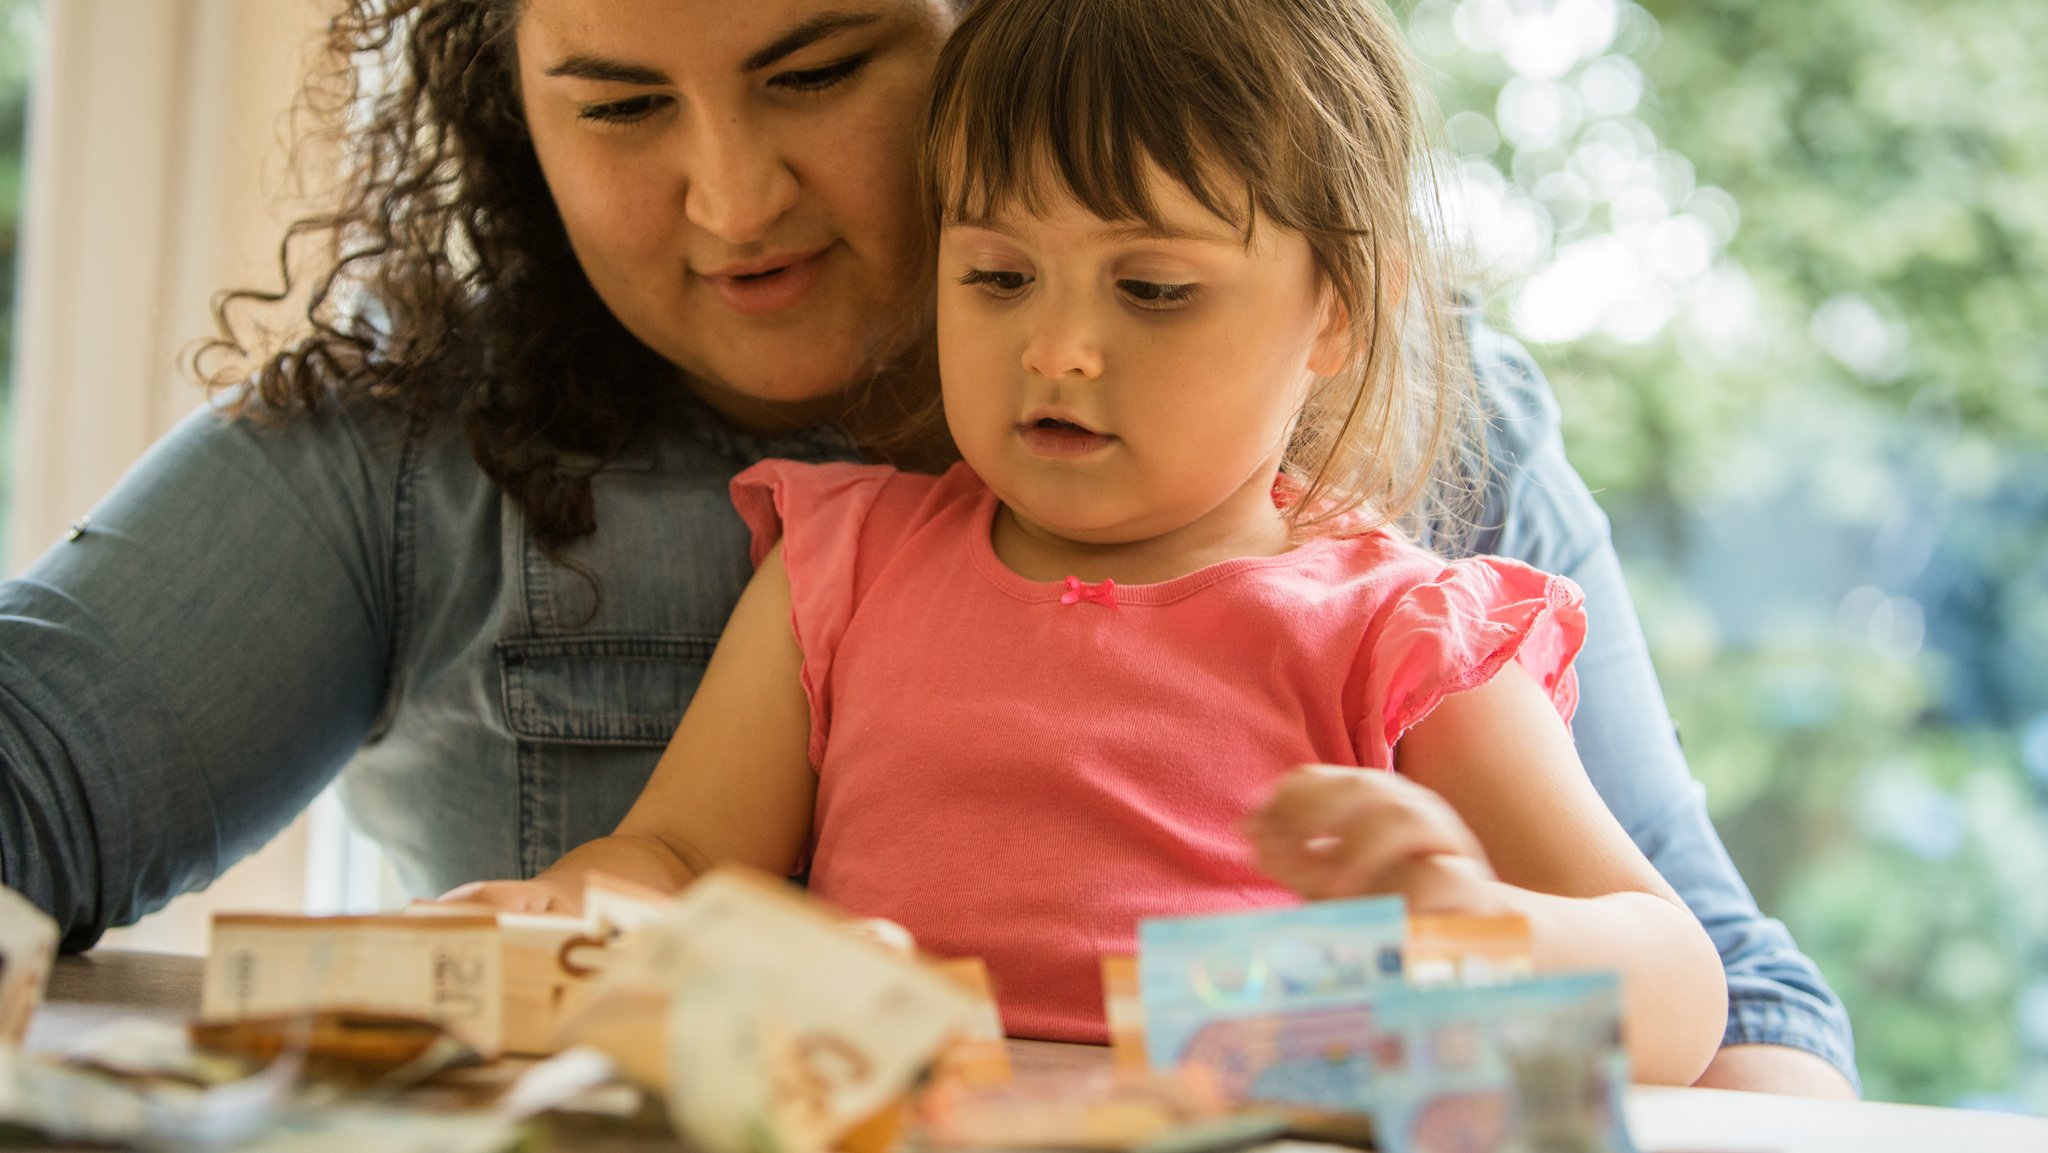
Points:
[1323,1057]
[448,970]
[780,1024]
[1095,1109]
[614,905]
[549,961]
[980,1055]
[1462,949]
[28,947]
[1525,1065]
[1196,971]
[344,1046]
[1124,1007]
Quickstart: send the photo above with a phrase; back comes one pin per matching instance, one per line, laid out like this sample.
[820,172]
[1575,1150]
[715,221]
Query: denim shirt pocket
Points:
[591,714]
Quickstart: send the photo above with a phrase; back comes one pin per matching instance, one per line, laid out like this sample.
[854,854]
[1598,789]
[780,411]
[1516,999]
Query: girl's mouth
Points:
[1053,437]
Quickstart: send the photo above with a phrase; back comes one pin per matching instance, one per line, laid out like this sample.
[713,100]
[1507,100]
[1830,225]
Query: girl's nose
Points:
[738,184]
[1064,345]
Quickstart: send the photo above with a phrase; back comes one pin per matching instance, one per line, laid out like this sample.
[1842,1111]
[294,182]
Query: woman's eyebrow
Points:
[807,33]
[614,71]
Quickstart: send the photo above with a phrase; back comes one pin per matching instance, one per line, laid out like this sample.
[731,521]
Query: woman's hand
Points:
[540,895]
[1340,832]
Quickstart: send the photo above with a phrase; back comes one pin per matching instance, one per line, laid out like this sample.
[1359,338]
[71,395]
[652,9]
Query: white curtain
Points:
[157,174]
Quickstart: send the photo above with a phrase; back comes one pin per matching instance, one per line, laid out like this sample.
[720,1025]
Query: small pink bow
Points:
[1103,594]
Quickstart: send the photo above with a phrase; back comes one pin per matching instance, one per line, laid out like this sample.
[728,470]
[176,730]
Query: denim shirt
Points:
[258,607]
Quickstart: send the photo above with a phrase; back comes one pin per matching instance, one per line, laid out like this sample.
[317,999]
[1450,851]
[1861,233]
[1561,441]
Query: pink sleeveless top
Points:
[1020,771]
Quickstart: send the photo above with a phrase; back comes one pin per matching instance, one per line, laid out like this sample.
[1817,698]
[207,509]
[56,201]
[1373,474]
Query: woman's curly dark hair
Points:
[450,289]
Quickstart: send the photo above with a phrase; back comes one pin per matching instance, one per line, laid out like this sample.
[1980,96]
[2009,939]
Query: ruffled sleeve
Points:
[1454,632]
[820,513]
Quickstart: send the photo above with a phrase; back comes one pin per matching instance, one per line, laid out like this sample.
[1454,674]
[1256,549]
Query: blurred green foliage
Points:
[1828,466]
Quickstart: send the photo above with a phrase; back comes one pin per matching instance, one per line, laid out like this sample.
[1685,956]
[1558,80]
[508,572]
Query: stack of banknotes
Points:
[752,1019]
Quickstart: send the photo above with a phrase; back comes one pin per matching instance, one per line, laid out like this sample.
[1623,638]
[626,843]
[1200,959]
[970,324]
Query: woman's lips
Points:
[773,289]
[1061,440]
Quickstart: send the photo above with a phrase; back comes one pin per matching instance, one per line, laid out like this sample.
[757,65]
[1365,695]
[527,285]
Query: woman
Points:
[471,540]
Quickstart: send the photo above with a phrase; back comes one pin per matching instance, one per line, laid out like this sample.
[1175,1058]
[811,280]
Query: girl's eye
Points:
[820,79]
[1150,294]
[995,282]
[631,110]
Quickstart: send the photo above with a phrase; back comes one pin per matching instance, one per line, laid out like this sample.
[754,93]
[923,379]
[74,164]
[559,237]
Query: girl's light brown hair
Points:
[1298,114]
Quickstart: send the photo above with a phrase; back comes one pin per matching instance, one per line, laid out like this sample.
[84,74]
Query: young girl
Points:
[1072,683]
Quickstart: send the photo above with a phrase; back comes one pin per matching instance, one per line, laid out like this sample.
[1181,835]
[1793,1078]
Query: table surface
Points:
[88,990]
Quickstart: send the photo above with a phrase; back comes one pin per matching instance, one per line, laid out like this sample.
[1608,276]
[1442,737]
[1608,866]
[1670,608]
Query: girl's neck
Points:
[1247,525]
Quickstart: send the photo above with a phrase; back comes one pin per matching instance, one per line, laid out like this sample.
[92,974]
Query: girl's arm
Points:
[734,784]
[1495,815]
[1787,1031]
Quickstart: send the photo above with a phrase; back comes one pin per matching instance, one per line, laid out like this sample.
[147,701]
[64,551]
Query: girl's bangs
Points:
[1084,105]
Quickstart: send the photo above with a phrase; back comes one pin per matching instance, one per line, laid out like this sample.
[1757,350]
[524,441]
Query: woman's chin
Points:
[775,405]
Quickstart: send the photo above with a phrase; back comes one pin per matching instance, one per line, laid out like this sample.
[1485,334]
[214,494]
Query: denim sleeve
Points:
[183,676]
[1538,510]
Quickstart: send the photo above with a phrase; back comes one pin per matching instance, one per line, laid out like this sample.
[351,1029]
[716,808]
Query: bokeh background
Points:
[1786,264]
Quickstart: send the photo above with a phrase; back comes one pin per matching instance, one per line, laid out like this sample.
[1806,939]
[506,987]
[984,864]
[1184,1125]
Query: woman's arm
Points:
[180,678]
[734,784]
[1784,1022]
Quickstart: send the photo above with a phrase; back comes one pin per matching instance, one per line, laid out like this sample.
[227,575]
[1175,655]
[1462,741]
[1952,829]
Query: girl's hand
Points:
[1340,832]
[540,895]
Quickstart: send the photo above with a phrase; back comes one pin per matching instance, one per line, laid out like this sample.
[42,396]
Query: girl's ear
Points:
[1334,348]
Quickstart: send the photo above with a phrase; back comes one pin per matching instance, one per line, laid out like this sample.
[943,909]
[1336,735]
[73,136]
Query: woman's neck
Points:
[893,413]
[756,416]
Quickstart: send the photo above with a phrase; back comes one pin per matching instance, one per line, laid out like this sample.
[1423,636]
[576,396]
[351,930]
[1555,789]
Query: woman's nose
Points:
[1064,343]
[739,184]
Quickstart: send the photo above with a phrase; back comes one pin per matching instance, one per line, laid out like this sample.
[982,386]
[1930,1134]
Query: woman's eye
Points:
[995,282]
[631,110]
[1151,294]
[819,79]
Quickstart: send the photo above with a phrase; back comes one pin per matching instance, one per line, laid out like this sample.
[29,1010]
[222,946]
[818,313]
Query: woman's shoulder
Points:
[344,453]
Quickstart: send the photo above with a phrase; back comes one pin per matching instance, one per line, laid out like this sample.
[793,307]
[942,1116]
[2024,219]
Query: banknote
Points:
[772,1022]
[28,947]
[548,963]
[1467,949]
[1103,1110]
[980,1053]
[448,970]
[1196,971]
[549,959]
[1124,1008]
[615,906]
[1522,1065]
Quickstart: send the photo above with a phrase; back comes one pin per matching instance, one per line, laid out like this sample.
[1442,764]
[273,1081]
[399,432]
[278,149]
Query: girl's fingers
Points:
[1444,883]
[1304,800]
[1321,802]
[505,896]
[1345,832]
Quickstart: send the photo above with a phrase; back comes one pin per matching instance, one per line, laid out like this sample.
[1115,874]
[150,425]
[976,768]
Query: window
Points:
[1783,263]
[186,100]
